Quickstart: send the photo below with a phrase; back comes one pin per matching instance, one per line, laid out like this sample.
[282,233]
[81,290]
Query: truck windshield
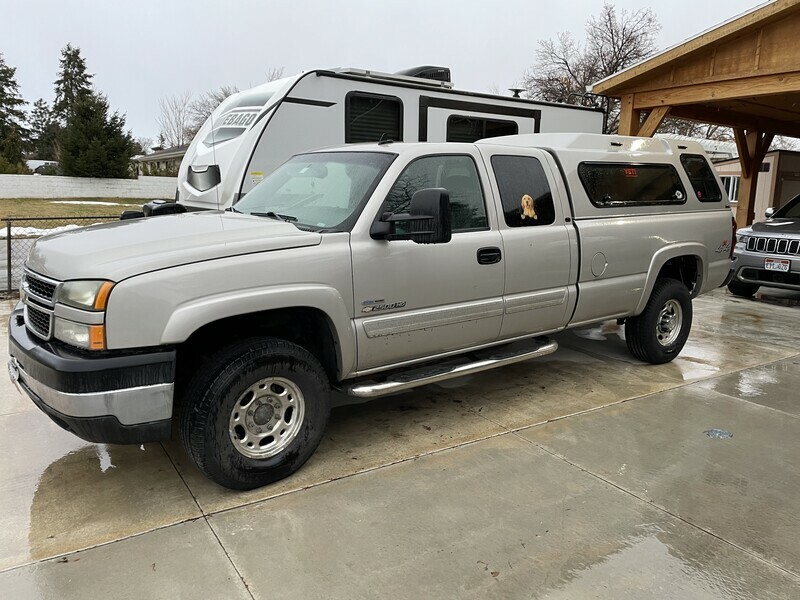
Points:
[325,190]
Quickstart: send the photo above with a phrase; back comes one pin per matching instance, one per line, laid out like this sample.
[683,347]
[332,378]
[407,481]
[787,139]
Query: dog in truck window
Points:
[528,210]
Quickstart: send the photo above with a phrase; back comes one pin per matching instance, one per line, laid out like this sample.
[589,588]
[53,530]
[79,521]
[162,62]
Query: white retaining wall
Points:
[50,186]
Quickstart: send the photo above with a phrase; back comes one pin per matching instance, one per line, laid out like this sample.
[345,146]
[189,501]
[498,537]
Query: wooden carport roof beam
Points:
[630,119]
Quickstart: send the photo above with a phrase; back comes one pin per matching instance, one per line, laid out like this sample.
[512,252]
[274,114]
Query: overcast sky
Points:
[142,50]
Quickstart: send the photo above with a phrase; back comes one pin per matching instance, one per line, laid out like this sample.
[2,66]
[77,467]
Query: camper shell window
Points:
[611,185]
[701,177]
[471,129]
[372,118]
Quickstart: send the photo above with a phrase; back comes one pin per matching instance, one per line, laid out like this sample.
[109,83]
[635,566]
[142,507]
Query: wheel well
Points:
[685,269]
[304,326]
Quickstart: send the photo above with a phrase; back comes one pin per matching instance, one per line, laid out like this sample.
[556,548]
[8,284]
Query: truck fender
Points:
[189,317]
[667,253]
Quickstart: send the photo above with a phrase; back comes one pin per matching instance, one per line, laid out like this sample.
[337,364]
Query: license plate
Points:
[776,264]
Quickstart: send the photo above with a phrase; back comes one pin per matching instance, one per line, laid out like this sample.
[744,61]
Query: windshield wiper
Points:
[273,215]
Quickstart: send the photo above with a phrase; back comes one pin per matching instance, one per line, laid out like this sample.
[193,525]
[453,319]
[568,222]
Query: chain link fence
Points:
[20,234]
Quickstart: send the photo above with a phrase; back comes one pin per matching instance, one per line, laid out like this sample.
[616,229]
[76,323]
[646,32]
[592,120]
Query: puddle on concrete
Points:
[718,434]
[654,568]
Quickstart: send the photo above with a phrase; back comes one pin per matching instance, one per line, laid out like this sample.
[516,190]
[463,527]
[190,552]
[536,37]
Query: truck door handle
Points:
[489,256]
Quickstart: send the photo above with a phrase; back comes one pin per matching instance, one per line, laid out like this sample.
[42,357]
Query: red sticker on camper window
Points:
[630,172]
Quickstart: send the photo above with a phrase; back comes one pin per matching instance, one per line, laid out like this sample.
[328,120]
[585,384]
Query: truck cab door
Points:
[415,301]
[540,243]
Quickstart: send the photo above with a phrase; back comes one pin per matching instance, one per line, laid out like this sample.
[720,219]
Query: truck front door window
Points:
[456,174]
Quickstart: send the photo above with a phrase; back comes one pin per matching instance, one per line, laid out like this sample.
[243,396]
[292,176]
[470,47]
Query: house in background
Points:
[778,180]
[162,163]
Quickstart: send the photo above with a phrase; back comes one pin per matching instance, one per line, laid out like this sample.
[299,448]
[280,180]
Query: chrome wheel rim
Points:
[669,323]
[266,417]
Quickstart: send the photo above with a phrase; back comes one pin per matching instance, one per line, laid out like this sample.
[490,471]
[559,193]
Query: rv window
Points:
[628,184]
[457,174]
[470,129]
[524,191]
[372,118]
[701,177]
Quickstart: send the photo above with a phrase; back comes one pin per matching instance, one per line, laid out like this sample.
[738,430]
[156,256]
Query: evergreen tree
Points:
[94,143]
[12,118]
[72,84]
[44,131]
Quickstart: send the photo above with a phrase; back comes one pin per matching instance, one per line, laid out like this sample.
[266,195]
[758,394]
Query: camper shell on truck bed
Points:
[373,269]
[254,131]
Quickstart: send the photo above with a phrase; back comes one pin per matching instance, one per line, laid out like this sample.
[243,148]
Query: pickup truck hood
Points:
[777,226]
[122,249]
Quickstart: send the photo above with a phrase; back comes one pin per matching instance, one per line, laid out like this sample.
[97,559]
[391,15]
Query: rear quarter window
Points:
[704,184]
[629,184]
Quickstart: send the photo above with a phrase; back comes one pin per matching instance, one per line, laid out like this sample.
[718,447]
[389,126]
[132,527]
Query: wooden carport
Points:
[743,74]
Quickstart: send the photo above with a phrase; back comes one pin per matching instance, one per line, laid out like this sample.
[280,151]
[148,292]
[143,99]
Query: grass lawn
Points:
[66,207]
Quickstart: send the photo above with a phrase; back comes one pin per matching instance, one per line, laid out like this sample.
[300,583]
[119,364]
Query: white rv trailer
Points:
[254,131]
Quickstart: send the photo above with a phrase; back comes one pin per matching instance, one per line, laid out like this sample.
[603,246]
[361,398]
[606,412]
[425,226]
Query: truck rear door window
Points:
[457,174]
[701,177]
[372,118]
[524,191]
[629,184]
[470,129]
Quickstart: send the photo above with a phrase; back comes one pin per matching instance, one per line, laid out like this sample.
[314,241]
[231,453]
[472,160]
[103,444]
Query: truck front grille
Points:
[41,288]
[774,245]
[38,321]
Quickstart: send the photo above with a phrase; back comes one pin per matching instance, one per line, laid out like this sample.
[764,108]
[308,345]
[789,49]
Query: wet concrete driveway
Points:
[582,475]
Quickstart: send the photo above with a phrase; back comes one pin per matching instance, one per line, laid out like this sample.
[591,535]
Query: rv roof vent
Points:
[427,72]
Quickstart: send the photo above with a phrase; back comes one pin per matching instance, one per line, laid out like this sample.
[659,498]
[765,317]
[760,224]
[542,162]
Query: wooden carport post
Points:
[752,146]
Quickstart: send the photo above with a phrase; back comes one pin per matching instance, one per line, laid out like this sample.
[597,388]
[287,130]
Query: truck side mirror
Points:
[428,217]
[156,208]
[769,212]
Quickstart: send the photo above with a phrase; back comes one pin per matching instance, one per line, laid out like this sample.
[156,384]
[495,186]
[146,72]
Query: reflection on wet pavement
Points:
[433,482]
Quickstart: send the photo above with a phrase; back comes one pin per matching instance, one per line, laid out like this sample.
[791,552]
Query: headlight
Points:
[741,239]
[91,337]
[88,295]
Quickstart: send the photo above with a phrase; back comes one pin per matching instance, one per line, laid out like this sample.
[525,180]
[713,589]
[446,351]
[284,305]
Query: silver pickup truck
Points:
[372,269]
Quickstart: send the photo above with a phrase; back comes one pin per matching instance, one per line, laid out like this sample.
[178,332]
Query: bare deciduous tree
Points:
[274,73]
[143,144]
[173,120]
[615,39]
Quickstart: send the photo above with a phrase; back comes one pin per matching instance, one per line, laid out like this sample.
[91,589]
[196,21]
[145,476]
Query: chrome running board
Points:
[485,360]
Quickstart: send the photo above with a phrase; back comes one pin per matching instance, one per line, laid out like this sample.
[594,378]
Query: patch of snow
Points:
[95,202]
[36,231]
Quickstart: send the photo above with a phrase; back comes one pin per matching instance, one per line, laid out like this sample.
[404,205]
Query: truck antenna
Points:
[214,154]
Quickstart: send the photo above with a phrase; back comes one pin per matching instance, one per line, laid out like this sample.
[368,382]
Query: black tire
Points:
[646,340]
[208,409]
[743,290]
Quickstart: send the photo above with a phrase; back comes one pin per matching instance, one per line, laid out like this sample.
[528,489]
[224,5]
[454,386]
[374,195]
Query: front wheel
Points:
[255,412]
[660,332]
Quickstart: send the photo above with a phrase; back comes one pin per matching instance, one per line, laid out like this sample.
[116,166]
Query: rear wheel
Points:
[743,290]
[658,334]
[255,412]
